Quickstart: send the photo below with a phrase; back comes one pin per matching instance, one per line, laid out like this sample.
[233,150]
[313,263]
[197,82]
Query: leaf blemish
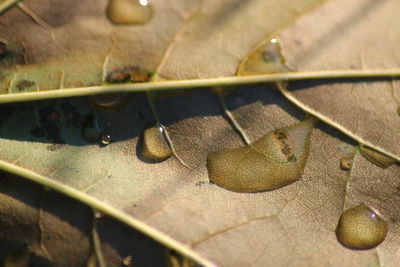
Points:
[24,84]
[128,74]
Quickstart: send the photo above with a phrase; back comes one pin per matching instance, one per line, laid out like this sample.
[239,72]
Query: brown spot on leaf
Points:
[24,84]
[128,74]
[285,145]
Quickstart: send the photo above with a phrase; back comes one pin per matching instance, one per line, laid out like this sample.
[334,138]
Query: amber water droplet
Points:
[376,157]
[105,139]
[275,160]
[90,130]
[129,11]
[346,163]
[155,146]
[360,227]
[127,261]
[265,59]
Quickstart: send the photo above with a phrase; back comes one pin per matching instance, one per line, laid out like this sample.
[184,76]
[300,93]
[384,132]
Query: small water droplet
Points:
[346,163]
[155,146]
[265,59]
[129,11]
[127,261]
[376,157]
[273,161]
[105,139]
[90,130]
[360,227]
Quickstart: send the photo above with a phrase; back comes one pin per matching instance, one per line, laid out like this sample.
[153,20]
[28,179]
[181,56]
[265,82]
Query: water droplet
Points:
[376,157]
[360,227]
[127,261]
[346,163]
[265,59]
[273,161]
[105,139]
[90,130]
[155,146]
[129,11]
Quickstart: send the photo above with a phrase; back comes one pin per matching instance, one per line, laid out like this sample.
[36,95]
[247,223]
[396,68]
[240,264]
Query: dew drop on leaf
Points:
[275,160]
[265,59]
[90,131]
[360,227]
[155,146]
[376,157]
[129,11]
[105,139]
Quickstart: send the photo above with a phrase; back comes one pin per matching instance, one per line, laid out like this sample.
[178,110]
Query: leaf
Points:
[293,225]
[46,228]
[75,45]
[348,40]
[297,220]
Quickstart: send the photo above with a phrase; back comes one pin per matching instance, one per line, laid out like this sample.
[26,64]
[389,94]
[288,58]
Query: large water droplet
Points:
[265,59]
[273,161]
[155,146]
[361,228]
[376,157]
[129,11]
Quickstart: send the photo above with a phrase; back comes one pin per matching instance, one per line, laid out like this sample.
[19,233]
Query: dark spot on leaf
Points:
[285,146]
[24,84]
[3,49]
[55,147]
[126,74]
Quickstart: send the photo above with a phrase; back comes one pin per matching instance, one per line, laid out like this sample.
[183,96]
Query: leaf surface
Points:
[360,35]
[294,225]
